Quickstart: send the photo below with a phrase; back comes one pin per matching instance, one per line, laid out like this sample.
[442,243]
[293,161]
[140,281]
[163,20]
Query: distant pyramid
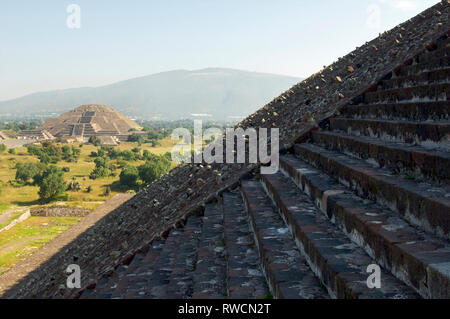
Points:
[86,121]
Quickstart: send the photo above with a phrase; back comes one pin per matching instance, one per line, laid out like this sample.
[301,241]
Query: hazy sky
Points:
[121,39]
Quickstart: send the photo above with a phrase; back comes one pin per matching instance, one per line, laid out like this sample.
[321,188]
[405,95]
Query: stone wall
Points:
[22,218]
[59,212]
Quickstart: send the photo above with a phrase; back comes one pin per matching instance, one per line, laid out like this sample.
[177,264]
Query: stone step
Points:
[420,260]
[285,269]
[103,288]
[116,284]
[422,204]
[426,93]
[427,133]
[128,275]
[421,111]
[425,78]
[181,280]
[210,271]
[411,160]
[430,65]
[132,282]
[245,277]
[156,284]
[339,263]
[442,51]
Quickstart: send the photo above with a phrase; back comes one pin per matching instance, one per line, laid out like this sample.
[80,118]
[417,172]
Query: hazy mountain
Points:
[223,93]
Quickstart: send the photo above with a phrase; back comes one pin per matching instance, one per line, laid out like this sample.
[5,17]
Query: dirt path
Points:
[5,216]
[24,267]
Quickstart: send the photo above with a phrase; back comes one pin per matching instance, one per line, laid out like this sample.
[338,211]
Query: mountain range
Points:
[217,93]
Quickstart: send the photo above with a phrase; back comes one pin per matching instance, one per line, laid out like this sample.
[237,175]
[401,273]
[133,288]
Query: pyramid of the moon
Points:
[90,120]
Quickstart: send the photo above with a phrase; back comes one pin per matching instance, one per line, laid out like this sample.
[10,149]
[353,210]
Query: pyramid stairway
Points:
[369,186]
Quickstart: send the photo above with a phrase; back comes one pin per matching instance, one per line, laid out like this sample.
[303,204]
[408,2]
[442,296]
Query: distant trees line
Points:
[50,178]
[107,159]
[154,167]
[157,130]
[20,125]
[52,153]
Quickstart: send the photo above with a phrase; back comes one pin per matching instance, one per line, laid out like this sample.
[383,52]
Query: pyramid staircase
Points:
[369,186]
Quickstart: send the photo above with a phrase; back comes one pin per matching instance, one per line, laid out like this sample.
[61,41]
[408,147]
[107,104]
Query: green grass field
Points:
[24,238]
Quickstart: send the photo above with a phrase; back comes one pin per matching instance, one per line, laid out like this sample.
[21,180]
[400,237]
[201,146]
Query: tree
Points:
[12,151]
[128,155]
[107,191]
[129,176]
[2,148]
[101,152]
[136,138]
[74,185]
[67,154]
[99,172]
[101,162]
[146,154]
[44,158]
[94,140]
[52,183]
[27,171]
[76,151]
[152,170]
[102,168]
[65,149]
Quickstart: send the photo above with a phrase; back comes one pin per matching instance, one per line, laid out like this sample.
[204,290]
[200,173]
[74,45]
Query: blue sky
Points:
[120,39]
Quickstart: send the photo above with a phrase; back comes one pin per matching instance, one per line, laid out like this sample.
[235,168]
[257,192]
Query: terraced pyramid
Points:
[90,120]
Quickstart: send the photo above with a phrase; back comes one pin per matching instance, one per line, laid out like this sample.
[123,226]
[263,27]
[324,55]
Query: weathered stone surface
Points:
[422,204]
[413,160]
[285,268]
[60,212]
[338,262]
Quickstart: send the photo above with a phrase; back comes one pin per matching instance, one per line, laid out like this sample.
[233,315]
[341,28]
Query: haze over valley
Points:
[216,93]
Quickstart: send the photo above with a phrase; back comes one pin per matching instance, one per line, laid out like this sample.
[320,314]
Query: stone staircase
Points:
[369,186]
[379,173]
[211,256]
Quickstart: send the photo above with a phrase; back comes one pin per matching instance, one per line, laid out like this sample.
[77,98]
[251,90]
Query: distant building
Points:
[37,134]
[3,136]
[84,122]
